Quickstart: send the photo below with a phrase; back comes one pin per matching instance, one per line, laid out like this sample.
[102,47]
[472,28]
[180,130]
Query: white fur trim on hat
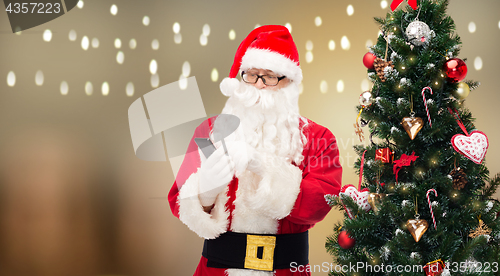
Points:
[269,60]
[228,86]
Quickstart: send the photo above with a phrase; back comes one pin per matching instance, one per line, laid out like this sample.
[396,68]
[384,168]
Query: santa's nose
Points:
[260,84]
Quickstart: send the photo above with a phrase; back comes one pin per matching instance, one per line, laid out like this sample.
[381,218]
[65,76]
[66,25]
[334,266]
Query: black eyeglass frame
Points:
[263,80]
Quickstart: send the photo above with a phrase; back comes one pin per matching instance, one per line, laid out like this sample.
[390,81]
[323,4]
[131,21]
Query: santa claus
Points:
[254,199]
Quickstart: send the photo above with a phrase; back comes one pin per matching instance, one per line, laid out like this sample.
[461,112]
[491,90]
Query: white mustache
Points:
[251,96]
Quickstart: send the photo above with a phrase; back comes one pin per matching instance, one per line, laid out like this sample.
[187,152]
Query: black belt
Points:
[256,251]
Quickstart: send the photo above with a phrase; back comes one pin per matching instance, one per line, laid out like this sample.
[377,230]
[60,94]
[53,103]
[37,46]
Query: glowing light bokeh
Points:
[47,35]
[340,86]
[39,78]
[11,79]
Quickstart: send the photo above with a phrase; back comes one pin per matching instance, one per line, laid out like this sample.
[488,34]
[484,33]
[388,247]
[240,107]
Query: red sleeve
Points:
[189,165]
[321,175]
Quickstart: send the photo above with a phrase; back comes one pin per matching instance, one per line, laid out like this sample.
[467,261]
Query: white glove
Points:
[214,174]
[245,157]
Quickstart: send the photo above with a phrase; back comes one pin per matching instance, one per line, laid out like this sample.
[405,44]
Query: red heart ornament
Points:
[473,146]
[360,197]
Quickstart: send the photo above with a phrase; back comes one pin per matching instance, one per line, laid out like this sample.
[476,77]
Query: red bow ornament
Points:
[395,4]
[404,161]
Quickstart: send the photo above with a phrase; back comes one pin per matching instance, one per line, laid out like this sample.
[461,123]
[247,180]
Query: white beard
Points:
[269,120]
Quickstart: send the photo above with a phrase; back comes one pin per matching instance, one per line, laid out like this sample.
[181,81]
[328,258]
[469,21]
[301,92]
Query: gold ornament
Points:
[357,128]
[462,91]
[375,199]
[417,227]
[482,229]
[412,125]
[359,131]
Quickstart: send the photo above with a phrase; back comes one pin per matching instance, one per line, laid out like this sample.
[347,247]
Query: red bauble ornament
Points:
[345,241]
[368,60]
[455,69]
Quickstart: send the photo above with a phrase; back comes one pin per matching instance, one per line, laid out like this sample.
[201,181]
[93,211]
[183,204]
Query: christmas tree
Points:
[427,198]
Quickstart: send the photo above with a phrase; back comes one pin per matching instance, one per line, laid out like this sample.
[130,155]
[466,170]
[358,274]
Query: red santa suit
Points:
[286,198]
[290,200]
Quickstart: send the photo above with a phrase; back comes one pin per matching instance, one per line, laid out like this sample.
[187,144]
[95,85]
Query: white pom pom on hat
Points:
[228,86]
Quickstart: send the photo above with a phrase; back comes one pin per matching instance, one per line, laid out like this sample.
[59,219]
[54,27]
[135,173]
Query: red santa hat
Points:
[269,47]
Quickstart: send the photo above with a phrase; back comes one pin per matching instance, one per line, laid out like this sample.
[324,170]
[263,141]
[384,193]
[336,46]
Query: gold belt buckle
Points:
[253,243]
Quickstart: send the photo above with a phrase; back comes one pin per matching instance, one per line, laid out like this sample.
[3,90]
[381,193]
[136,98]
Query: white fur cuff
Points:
[278,189]
[247,272]
[207,226]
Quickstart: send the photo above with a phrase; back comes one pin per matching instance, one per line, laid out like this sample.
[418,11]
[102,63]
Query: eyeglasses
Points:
[252,77]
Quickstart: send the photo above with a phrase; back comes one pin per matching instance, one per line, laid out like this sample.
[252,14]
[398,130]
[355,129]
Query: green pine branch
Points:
[473,85]
[384,235]
[489,190]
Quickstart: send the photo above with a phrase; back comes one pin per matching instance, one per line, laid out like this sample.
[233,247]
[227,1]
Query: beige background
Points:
[74,200]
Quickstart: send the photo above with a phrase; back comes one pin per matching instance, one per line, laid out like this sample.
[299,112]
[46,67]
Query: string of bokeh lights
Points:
[86,43]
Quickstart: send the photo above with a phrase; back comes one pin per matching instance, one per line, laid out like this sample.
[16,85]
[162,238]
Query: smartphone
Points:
[206,146]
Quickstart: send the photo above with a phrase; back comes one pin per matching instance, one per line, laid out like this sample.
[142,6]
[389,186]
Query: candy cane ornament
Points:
[425,103]
[430,205]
